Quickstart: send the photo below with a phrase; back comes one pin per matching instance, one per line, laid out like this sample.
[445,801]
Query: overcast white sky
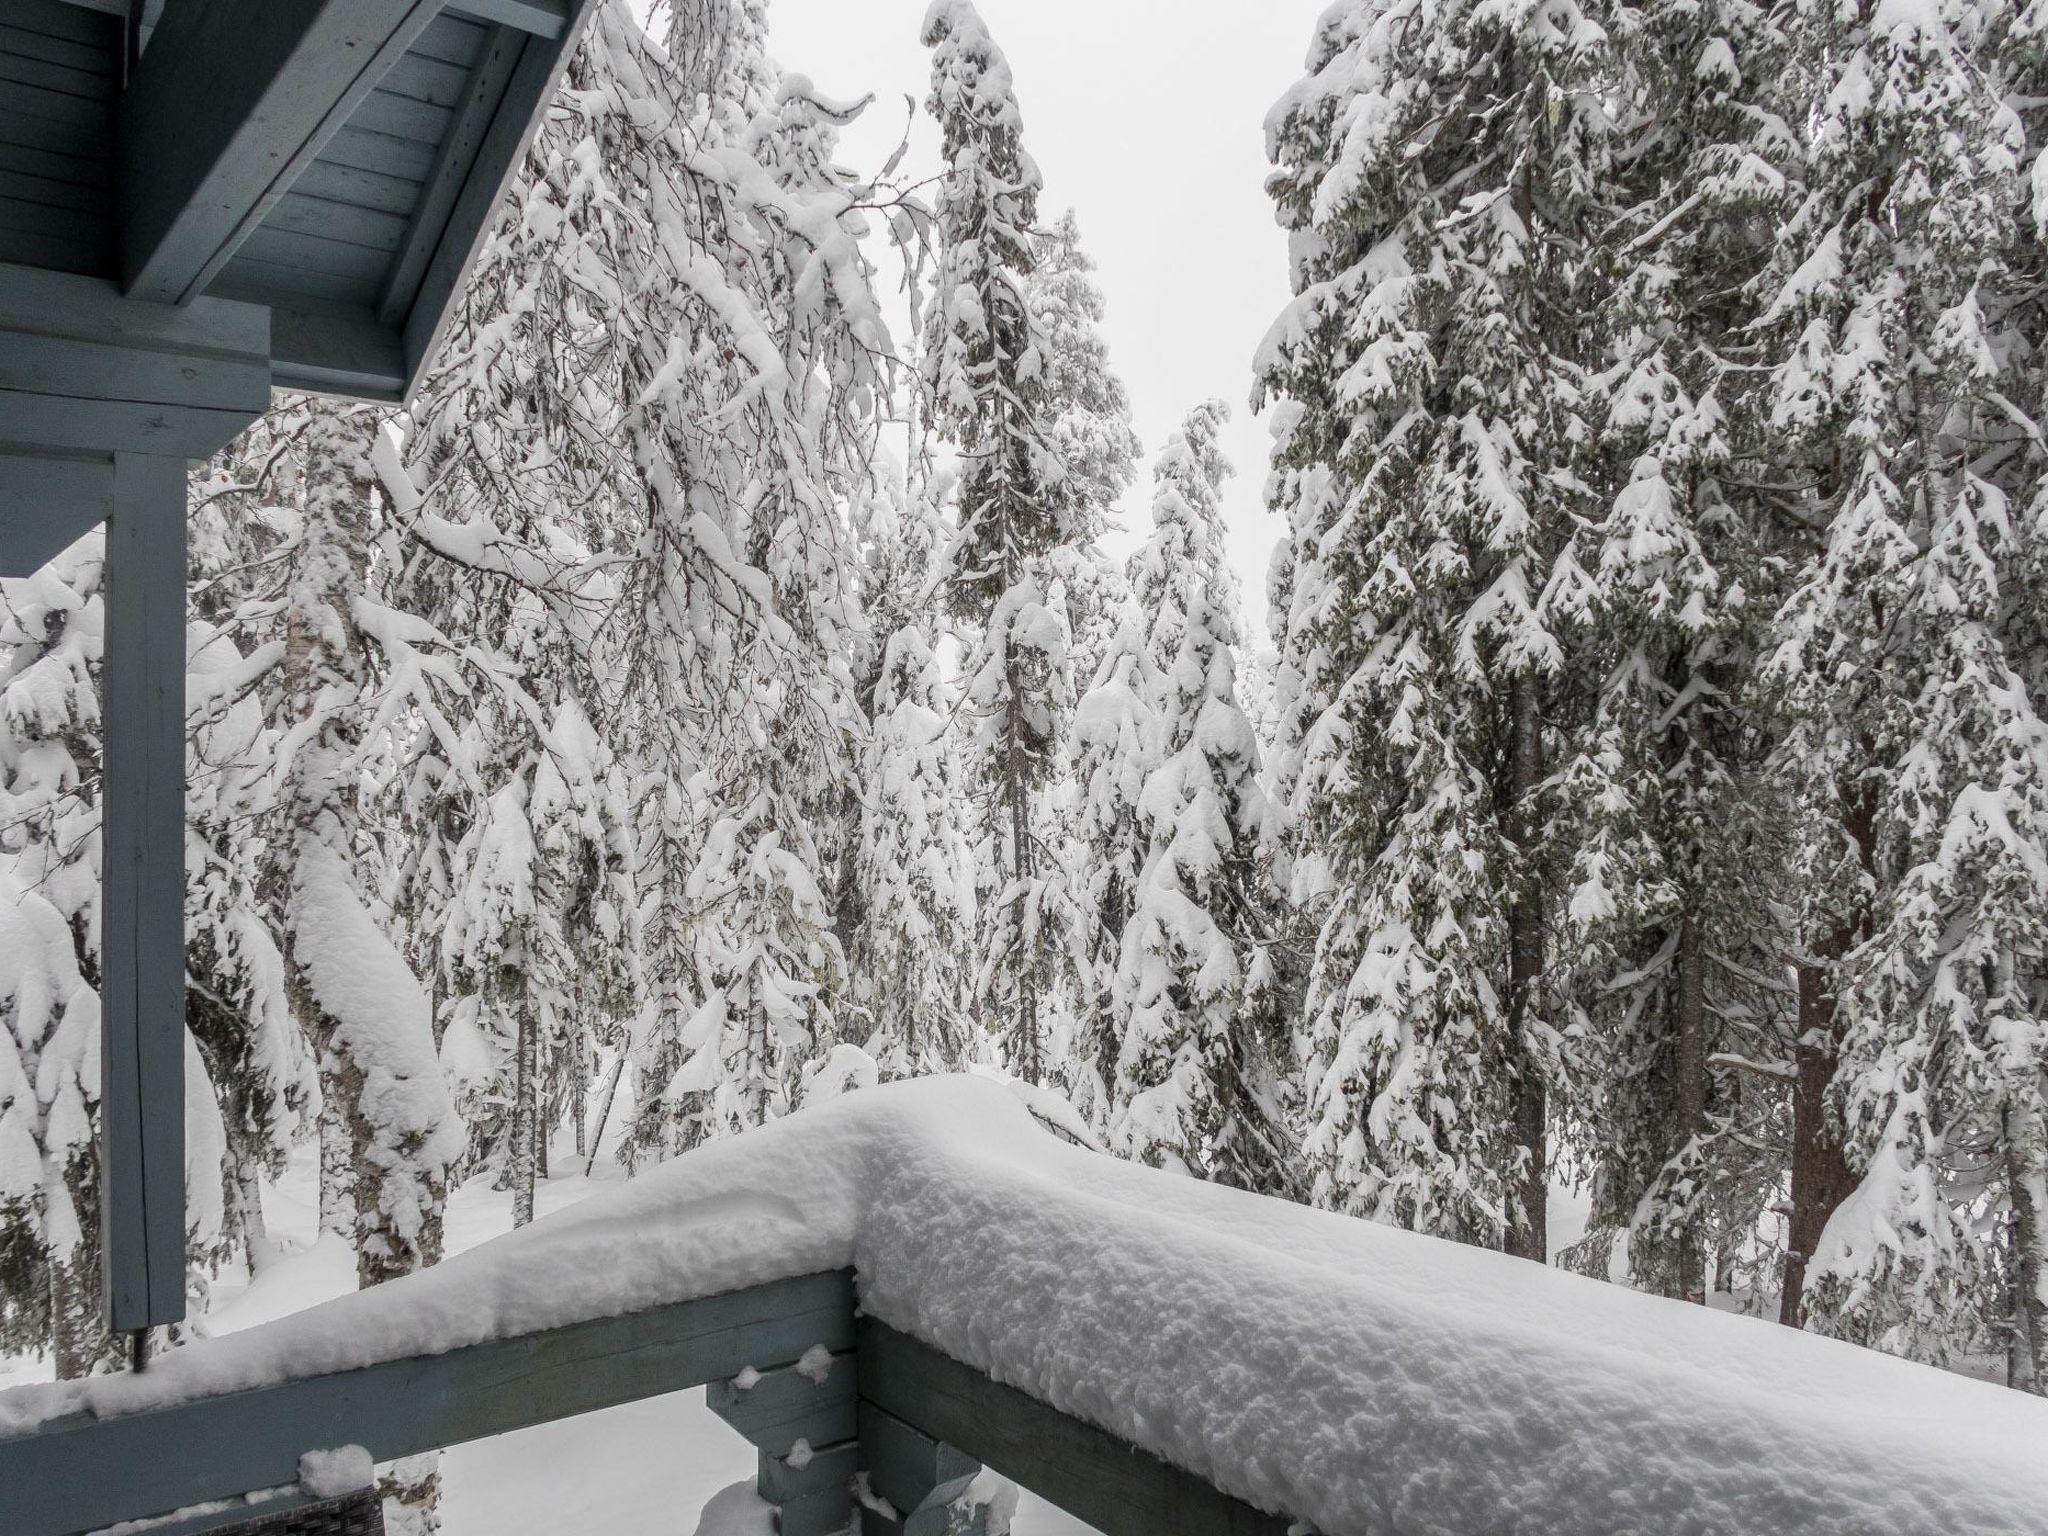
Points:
[1145,116]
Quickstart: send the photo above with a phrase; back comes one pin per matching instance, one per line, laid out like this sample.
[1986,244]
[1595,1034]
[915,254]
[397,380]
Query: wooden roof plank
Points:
[86,58]
[207,151]
[526,98]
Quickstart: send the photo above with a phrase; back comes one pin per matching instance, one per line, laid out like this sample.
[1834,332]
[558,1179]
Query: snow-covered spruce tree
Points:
[910,867]
[49,1012]
[332,666]
[748,340]
[1915,746]
[50,628]
[517,890]
[1440,173]
[985,391]
[1195,1069]
[1671,929]
[1115,747]
[1090,410]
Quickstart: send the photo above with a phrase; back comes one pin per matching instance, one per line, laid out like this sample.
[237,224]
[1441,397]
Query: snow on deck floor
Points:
[1361,1378]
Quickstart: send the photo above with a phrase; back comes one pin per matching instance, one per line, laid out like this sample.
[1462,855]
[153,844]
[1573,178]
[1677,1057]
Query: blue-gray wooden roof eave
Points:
[336,162]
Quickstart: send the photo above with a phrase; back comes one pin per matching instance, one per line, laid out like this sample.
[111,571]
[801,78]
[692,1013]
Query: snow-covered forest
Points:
[716,692]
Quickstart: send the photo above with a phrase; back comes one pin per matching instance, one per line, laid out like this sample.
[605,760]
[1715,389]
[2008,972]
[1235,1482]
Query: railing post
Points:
[801,1420]
[142,923]
[922,1481]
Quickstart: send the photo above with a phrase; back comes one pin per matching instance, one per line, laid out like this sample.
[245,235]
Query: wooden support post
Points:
[142,925]
[922,1480]
[801,1419]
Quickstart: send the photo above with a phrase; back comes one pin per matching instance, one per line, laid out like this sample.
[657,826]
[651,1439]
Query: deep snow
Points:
[1364,1379]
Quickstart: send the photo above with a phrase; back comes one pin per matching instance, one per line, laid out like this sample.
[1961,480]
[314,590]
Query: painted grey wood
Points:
[54,165]
[548,19]
[54,253]
[91,58]
[908,1467]
[300,213]
[82,368]
[425,78]
[278,284]
[142,874]
[488,83]
[786,1405]
[452,39]
[29,71]
[89,118]
[526,98]
[1120,1490]
[331,181]
[401,117]
[829,1468]
[83,21]
[47,503]
[27,188]
[335,355]
[314,254]
[82,1473]
[229,103]
[30,130]
[382,153]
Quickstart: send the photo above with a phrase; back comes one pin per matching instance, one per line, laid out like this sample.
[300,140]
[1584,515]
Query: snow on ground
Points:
[1359,1377]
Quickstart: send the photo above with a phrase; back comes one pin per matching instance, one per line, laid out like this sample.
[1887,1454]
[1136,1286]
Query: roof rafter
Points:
[206,151]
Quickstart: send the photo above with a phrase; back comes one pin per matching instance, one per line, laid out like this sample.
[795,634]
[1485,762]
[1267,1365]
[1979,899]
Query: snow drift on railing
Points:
[1359,1378]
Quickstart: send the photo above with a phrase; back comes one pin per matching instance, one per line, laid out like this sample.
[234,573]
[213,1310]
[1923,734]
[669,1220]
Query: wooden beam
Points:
[82,1473]
[85,370]
[229,103]
[478,110]
[543,18]
[530,87]
[48,502]
[142,987]
[328,354]
[1118,1489]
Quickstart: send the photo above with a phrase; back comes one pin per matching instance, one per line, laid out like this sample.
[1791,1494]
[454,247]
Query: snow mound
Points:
[1365,1380]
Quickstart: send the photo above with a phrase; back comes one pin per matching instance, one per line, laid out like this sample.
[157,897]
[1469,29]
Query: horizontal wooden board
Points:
[92,120]
[314,253]
[84,141]
[269,282]
[452,40]
[1118,1489]
[336,183]
[425,79]
[53,18]
[57,253]
[401,117]
[361,150]
[27,188]
[51,165]
[81,1473]
[299,214]
[24,70]
[91,58]
[42,218]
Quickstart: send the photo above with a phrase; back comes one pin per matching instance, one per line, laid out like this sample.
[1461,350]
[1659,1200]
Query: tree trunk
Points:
[525,1115]
[1692,1096]
[1017,789]
[1821,1176]
[1528,1224]
[79,1340]
[337,1173]
[257,1247]
[2026,1157]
